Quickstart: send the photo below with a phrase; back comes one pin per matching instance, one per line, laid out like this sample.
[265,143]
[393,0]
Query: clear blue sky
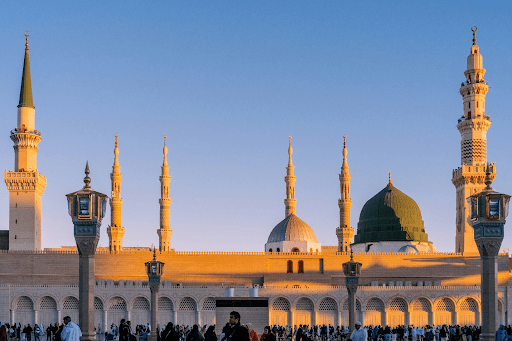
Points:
[227,82]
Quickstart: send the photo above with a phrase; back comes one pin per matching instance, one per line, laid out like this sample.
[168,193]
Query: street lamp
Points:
[352,270]
[488,212]
[86,208]
[154,269]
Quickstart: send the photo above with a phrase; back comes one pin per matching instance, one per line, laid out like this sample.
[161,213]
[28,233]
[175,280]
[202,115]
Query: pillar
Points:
[339,317]
[175,317]
[36,316]
[105,318]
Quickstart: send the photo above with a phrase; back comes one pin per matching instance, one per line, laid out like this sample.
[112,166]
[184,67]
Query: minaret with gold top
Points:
[25,184]
[290,200]
[164,232]
[345,232]
[115,230]
[470,176]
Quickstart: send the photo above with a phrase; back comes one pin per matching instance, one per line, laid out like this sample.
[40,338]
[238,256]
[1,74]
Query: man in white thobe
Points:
[71,331]
[359,334]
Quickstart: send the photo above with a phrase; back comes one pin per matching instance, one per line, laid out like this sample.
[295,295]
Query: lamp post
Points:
[86,208]
[488,212]
[154,269]
[352,270]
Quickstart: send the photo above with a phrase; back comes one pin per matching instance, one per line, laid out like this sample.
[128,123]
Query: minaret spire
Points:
[290,200]
[26,185]
[469,178]
[164,233]
[115,230]
[344,232]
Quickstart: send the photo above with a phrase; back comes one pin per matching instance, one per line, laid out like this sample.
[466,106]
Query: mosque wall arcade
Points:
[396,289]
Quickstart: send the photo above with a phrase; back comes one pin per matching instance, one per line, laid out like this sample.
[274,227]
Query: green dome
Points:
[390,216]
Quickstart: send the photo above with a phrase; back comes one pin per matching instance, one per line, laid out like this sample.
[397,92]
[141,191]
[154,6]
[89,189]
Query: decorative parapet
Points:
[25,181]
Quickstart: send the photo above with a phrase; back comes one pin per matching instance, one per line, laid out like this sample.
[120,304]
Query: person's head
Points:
[195,328]
[266,330]
[129,323]
[123,321]
[211,329]
[249,327]
[234,317]
[358,324]
[67,319]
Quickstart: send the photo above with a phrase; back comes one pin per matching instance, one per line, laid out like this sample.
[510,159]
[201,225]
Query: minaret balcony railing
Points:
[17,131]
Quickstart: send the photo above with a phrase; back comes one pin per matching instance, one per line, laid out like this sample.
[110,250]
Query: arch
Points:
[304,310]
[116,310]
[48,313]
[98,312]
[295,250]
[98,303]
[374,312]
[165,310]
[301,267]
[209,308]
[289,267]
[444,311]
[420,310]
[344,312]
[278,250]
[270,250]
[280,313]
[398,309]
[187,311]
[140,313]
[468,311]
[70,307]
[327,312]
[24,310]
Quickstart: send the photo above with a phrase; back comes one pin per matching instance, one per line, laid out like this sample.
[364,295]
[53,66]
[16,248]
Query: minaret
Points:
[25,184]
[290,201]
[469,178]
[345,232]
[115,231]
[164,233]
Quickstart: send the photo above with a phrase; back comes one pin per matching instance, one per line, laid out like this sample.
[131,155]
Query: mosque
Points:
[404,279]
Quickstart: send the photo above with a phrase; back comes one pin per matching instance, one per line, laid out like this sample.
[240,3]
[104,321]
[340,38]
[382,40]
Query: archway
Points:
[70,308]
[187,311]
[327,312]
[24,311]
[208,311]
[280,312]
[444,312]
[304,312]
[344,312]
[420,310]
[116,310]
[48,313]
[468,312]
[140,313]
[397,312]
[374,312]
[165,311]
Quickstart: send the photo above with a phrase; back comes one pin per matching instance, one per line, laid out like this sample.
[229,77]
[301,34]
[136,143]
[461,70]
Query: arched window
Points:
[270,250]
[301,267]
[296,249]
[289,267]
[278,250]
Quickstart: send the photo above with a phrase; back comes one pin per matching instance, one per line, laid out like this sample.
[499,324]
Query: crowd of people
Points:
[234,330]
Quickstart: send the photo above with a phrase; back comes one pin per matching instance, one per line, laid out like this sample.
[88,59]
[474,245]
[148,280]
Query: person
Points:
[268,335]
[300,336]
[3,333]
[359,334]
[238,332]
[501,334]
[71,331]
[210,334]
[124,331]
[195,335]
[252,333]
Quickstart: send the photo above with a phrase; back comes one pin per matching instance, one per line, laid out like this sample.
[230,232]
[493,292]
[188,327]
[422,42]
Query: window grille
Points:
[48,303]
[398,304]
[421,304]
[209,304]
[445,305]
[469,304]
[164,304]
[25,303]
[281,304]
[141,303]
[70,303]
[187,304]
[304,304]
[375,304]
[328,304]
[345,305]
[117,303]
[98,304]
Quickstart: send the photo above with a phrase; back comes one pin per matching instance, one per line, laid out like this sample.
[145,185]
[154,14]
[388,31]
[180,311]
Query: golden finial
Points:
[351,254]
[87,179]
[290,150]
[344,141]
[474,29]
[165,147]
[27,34]
[390,184]
[116,135]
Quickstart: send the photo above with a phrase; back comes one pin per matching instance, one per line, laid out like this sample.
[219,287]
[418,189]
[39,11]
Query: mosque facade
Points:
[404,279]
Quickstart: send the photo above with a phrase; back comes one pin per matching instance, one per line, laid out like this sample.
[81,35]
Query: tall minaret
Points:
[164,233]
[115,231]
[290,200]
[469,178]
[345,232]
[25,184]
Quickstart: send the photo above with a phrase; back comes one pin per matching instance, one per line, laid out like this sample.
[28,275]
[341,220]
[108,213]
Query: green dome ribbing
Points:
[390,216]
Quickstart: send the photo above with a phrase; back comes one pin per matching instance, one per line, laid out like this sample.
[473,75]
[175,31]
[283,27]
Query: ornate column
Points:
[154,269]
[86,208]
[488,213]
[352,270]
